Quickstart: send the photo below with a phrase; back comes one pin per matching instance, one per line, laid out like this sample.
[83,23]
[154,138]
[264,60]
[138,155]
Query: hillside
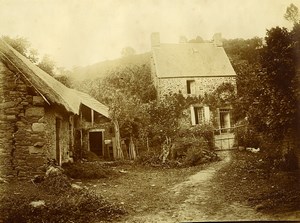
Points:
[102,69]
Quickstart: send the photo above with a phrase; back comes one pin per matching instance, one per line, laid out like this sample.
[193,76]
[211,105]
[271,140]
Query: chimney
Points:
[155,39]
[182,39]
[217,39]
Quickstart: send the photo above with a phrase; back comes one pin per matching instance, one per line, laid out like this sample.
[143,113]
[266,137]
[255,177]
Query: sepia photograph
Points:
[149,111]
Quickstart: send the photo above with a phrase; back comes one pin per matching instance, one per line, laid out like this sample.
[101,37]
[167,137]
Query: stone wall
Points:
[65,133]
[21,141]
[27,128]
[202,84]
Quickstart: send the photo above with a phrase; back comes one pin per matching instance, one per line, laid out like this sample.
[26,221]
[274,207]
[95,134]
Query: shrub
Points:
[149,159]
[90,156]
[87,170]
[56,184]
[185,151]
[191,151]
[247,137]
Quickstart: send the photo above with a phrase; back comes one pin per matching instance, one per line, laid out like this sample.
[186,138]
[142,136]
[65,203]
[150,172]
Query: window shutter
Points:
[193,119]
[206,114]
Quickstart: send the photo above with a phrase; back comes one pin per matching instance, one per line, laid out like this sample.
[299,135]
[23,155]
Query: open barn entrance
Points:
[96,141]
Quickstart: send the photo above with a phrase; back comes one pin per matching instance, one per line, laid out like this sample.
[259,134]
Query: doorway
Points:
[96,142]
[225,120]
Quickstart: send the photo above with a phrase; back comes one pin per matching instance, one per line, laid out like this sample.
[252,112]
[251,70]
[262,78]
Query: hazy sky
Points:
[82,32]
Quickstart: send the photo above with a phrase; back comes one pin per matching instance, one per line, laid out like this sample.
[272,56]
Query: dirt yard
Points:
[194,194]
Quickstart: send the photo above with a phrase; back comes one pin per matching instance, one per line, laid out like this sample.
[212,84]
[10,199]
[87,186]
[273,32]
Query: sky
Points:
[83,32]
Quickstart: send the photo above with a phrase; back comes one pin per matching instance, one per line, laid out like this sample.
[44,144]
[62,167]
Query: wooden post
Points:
[92,117]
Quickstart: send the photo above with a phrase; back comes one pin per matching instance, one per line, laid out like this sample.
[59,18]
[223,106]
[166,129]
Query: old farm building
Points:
[193,69]
[42,119]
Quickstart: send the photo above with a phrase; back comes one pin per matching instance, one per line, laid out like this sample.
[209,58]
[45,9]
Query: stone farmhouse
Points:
[192,69]
[41,119]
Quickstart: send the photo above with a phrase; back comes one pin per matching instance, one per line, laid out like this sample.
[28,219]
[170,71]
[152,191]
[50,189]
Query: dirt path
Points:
[199,203]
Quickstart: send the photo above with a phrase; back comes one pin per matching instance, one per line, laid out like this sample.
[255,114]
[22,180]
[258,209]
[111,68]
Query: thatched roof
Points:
[48,87]
[191,60]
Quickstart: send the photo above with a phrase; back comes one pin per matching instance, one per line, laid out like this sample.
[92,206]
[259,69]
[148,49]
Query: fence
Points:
[227,138]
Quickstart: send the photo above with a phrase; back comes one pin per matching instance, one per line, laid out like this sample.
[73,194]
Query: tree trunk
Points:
[119,152]
[132,152]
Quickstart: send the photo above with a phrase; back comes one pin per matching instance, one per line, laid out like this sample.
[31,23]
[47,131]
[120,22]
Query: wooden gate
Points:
[224,138]
[227,138]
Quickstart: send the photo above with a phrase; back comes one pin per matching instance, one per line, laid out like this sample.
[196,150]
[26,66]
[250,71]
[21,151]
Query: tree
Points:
[20,44]
[47,64]
[277,103]
[245,59]
[126,91]
[292,14]
[127,51]
[23,46]
[63,76]
[198,39]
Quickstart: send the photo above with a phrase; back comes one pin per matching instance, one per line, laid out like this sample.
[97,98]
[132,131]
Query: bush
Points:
[87,170]
[247,137]
[191,151]
[149,159]
[90,156]
[185,151]
[56,184]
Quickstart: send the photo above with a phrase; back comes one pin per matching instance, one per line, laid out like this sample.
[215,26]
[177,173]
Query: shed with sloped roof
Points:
[41,119]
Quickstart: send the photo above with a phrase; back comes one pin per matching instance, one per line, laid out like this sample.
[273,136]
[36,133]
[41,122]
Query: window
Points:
[190,85]
[200,114]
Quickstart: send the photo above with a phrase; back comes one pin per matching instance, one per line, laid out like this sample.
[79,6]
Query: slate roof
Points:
[47,86]
[191,60]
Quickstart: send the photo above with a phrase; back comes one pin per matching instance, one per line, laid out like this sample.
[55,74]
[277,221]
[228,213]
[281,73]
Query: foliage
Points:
[87,170]
[127,92]
[131,81]
[224,95]
[265,189]
[292,14]
[47,64]
[268,86]
[245,59]
[90,156]
[198,39]
[127,51]
[20,44]
[276,108]
[166,114]
[247,136]
[56,184]
[189,147]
